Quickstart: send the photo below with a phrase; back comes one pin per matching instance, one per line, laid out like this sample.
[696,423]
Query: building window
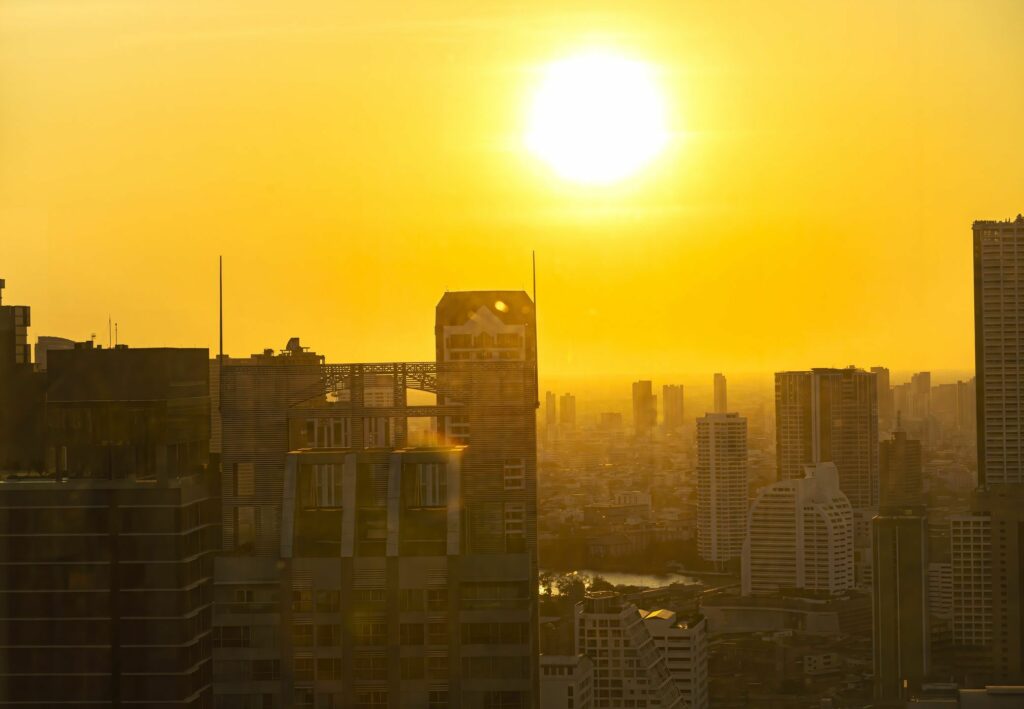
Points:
[431,485]
[371,700]
[515,527]
[327,485]
[514,474]
[304,669]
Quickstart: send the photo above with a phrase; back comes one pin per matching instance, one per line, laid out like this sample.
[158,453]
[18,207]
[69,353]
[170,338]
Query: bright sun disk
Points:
[597,118]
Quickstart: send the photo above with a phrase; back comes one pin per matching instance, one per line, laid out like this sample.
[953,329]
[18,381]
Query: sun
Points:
[597,118]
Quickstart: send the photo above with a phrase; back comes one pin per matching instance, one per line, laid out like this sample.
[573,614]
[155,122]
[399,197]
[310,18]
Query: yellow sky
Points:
[353,160]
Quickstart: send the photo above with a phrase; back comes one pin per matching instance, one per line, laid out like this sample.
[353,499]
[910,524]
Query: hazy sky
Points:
[351,161]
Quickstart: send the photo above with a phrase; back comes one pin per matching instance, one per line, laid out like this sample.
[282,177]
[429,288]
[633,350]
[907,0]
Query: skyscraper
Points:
[829,415]
[901,483]
[106,564]
[721,486]
[405,566]
[920,395]
[999,363]
[567,413]
[721,395]
[886,412]
[672,403]
[899,602]
[550,415]
[800,535]
[645,409]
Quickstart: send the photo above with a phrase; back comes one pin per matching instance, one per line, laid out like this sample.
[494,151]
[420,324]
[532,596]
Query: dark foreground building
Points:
[106,562]
[380,523]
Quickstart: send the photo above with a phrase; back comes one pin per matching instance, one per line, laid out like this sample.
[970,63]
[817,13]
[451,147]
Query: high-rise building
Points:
[106,563]
[721,395]
[886,413]
[629,667]
[999,350]
[900,602]
[900,478]
[550,415]
[970,538]
[999,364]
[672,403]
[920,395]
[567,413]
[21,392]
[722,484]
[684,645]
[645,409]
[403,568]
[829,415]
[800,536]
[256,395]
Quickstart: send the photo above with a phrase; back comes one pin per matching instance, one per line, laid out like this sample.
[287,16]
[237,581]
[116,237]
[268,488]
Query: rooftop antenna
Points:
[115,334]
[220,296]
[110,333]
[536,374]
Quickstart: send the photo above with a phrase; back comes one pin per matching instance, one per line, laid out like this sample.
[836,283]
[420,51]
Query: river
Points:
[617,578]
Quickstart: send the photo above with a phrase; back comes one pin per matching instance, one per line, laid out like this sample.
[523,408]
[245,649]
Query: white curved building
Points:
[800,535]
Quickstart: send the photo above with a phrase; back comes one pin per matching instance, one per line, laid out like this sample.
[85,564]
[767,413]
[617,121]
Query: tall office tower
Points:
[899,602]
[721,486]
[684,645]
[672,402]
[721,395]
[256,395]
[567,414]
[970,538]
[645,409]
[21,391]
[999,364]
[800,535]
[629,667]
[566,682]
[886,412]
[902,398]
[900,478]
[920,395]
[550,415]
[106,564]
[829,415]
[967,406]
[404,574]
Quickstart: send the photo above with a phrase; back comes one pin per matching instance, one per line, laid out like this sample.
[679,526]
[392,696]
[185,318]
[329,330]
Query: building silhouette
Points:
[721,395]
[106,568]
[722,483]
[996,625]
[672,404]
[800,536]
[645,409]
[567,413]
[901,641]
[829,415]
[21,391]
[401,569]
[886,411]
[901,482]
[550,415]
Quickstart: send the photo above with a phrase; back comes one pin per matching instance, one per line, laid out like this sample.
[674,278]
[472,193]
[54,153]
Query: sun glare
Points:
[597,118]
